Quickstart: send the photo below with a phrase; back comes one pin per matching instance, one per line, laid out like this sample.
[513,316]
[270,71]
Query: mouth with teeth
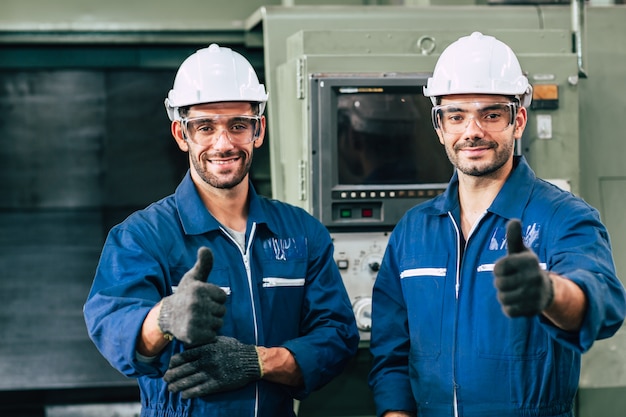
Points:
[223,159]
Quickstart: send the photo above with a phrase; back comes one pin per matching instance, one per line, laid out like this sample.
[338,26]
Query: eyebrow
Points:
[229,117]
[494,106]
[243,117]
[454,109]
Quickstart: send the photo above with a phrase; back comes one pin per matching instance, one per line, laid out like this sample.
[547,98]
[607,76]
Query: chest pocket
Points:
[282,282]
[501,337]
[273,282]
[423,285]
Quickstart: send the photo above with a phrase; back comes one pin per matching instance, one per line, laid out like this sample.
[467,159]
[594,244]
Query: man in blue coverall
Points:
[489,293]
[219,301]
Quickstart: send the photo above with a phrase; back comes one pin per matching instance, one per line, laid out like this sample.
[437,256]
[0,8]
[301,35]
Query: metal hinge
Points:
[300,78]
[302,172]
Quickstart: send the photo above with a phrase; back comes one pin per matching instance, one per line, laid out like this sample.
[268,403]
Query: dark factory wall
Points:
[80,150]
[85,140]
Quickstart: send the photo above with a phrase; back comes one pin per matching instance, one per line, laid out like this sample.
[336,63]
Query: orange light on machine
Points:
[545,97]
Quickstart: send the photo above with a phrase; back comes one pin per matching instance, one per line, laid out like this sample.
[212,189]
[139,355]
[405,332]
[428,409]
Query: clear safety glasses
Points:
[239,129]
[490,117]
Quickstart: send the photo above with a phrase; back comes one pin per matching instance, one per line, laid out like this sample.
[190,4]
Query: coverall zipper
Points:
[457,287]
[245,256]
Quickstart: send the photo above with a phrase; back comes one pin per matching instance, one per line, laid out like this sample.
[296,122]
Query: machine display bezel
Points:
[341,206]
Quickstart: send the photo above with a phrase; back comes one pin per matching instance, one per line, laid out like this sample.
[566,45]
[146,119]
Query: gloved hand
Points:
[524,289]
[224,365]
[193,314]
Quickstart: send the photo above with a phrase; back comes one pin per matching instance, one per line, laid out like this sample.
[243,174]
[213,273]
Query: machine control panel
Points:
[359,256]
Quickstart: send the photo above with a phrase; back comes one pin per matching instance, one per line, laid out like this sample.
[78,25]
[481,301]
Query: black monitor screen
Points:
[374,151]
[385,136]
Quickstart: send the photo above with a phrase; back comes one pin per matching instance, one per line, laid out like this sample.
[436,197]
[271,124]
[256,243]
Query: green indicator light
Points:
[345,213]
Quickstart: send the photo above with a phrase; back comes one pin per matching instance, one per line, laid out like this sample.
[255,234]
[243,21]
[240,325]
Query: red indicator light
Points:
[367,212]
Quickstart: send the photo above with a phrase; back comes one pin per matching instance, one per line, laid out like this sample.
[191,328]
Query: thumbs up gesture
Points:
[193,314]
[524,289]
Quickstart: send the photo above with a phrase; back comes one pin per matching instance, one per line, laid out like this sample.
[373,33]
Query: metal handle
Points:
[578,17]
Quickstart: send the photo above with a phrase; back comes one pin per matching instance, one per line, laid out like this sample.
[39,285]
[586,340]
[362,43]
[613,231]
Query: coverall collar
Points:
[510,201]
[196,219]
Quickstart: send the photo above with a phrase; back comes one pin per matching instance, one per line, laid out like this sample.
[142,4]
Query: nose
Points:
[473,129]
[222,141]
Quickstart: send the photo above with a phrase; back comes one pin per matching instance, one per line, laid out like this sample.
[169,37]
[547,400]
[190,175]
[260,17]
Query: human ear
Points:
[520,122]
[261,134]
[179,136]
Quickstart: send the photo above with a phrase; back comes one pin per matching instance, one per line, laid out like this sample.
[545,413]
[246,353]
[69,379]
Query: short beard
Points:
[503,152]
[217,182]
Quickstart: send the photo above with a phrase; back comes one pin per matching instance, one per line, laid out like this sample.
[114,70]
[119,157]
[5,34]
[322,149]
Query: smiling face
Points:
[476,150]
[219,163]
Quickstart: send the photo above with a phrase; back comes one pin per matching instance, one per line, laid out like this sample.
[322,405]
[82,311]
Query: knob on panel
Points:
[362,308]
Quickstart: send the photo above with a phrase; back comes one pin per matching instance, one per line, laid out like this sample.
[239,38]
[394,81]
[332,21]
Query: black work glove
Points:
[193,314]
[223,365]
[524,289]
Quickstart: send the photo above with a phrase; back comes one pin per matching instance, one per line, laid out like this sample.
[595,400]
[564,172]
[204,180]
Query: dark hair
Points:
[183,111]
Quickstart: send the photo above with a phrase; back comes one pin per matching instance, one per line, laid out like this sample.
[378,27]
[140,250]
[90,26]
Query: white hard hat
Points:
[478,64]
[212,75]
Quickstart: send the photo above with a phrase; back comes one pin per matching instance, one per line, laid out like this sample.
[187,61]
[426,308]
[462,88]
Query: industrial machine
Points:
[68,178]
[373,155]
[345,115]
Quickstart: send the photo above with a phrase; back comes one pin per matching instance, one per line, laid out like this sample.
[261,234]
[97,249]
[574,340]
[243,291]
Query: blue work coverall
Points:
[285,290]
[441,343]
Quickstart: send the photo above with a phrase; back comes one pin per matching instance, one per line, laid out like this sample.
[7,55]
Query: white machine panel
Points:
[358,256]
